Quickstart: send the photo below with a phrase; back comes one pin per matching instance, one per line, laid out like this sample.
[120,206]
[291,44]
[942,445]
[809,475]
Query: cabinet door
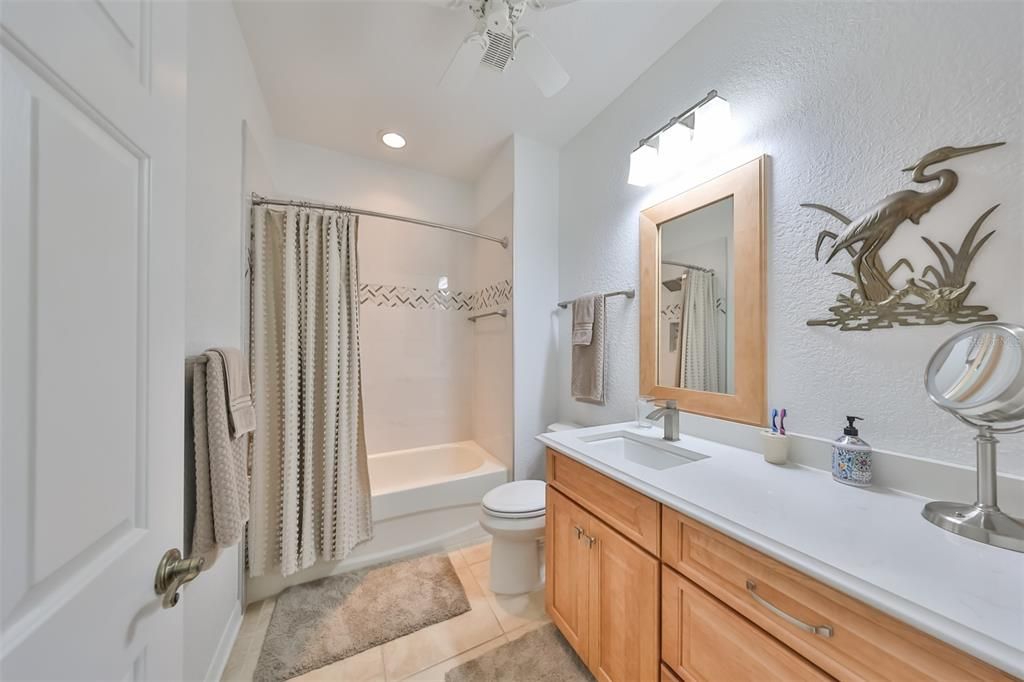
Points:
[624,597]
[567,567]
[704,640]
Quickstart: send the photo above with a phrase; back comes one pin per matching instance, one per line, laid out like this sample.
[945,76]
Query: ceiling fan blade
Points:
[540,64]
[464,64]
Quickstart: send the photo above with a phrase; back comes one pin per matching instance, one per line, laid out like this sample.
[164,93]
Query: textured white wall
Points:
[223,96]
[536,294]
[496,182]
[841,95]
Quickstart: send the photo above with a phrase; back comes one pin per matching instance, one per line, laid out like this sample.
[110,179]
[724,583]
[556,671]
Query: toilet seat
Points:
[516,500]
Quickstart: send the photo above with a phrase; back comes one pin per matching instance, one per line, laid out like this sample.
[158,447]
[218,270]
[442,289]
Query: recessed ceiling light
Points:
[393,140]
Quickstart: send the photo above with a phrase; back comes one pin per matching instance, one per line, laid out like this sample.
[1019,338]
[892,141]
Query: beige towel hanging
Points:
[583,319]
[241,413]
[222,484]
[588,361]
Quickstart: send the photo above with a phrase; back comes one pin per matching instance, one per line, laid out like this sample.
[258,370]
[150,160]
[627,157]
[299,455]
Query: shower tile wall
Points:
[429,375]
[417,359]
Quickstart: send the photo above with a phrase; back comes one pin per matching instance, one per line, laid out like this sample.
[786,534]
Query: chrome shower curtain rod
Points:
[687,265]
[258,200]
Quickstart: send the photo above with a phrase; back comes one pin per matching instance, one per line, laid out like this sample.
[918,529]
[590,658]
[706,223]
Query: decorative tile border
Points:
[394,296]
[493,295]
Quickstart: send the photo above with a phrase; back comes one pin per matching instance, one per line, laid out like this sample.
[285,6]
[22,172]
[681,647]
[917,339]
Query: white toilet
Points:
[514,514]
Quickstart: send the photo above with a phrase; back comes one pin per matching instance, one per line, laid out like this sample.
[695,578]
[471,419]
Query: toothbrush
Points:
[775,413]
[782,422]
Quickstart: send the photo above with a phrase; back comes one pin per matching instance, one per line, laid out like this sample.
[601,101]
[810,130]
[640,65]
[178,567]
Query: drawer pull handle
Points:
[578,531]
[820,630]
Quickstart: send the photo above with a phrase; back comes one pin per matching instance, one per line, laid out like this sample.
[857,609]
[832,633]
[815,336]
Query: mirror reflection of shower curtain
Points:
[697,357]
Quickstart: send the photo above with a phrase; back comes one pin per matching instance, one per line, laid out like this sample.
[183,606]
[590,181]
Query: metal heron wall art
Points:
[875,303]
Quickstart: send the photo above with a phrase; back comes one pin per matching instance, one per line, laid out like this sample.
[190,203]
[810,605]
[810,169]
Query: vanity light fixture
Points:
[712,122]
[643,165]
[392,139]
[667,150]
[675,147]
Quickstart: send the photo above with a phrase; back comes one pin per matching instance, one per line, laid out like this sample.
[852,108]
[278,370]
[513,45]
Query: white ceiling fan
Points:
[497,41]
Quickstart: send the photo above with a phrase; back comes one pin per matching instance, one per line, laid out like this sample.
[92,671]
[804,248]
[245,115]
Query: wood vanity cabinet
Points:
[602,592]
[644,593]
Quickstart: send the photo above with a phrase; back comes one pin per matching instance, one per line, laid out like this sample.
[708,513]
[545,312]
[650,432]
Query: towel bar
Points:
[628,293]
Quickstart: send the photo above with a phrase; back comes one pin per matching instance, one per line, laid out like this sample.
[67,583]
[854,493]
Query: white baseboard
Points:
[227,641]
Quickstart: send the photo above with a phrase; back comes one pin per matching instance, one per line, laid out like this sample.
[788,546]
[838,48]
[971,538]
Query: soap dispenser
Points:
[851,457]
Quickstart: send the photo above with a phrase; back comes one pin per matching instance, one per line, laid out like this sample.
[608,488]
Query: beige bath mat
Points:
[320,622]
[539,656]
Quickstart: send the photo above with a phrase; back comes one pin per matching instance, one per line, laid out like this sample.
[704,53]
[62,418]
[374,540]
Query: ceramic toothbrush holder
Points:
[775,447]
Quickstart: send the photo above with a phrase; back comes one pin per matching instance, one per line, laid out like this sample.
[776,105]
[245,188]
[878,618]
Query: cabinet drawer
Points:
[702,640]
[634,515]
[860,642]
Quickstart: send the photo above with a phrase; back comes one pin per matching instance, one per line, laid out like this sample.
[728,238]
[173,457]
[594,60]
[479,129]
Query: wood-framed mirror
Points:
[702,297]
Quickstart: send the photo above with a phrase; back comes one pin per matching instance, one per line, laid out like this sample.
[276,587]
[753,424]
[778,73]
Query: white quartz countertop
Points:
[871,543]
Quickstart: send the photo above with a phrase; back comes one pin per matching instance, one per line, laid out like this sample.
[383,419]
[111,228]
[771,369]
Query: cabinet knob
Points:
[578,531]
[591,540]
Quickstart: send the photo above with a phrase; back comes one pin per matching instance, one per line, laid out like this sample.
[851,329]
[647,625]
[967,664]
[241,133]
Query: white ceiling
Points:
[336,73]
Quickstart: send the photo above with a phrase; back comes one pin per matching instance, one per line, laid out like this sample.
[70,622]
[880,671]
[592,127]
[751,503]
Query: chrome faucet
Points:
[671,414]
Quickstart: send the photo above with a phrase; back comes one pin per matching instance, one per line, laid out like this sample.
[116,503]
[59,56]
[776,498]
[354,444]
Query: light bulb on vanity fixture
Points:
[675,148]
[693,134]
[643,165]
[712,124]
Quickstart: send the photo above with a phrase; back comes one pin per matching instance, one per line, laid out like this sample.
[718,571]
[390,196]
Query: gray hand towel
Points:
[583,319]
[241,412]
[588,361]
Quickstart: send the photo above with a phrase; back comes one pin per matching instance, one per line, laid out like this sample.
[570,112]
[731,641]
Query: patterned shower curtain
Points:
[698,330]
[310,485]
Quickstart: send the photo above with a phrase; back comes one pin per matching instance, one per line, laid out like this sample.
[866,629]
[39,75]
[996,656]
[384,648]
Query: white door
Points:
[91,343]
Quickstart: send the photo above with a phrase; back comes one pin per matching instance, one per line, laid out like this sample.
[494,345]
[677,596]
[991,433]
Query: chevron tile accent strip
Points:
[394,296]
[493,295]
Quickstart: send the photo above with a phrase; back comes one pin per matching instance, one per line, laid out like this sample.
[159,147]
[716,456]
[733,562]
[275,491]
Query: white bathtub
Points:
[423,498]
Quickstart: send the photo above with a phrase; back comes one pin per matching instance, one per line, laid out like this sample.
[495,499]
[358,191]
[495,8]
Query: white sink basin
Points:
[651,453]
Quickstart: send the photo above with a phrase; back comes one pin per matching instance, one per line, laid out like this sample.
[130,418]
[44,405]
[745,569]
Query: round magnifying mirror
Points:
[978,376]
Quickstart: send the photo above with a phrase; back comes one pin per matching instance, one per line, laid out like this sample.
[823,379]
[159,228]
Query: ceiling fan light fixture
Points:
[538,62]
[497,16]
[392,139]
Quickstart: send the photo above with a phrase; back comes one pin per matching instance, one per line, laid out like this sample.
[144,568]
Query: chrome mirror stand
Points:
[983,521]
[977,375]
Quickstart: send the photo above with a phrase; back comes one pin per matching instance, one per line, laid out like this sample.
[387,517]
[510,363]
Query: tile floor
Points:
[425,655]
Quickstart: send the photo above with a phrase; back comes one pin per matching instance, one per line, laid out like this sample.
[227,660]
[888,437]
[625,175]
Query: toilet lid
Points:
[519,499]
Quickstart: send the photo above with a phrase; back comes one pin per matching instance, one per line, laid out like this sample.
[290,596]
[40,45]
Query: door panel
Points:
[567,569]
[91,353]
[624,597]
